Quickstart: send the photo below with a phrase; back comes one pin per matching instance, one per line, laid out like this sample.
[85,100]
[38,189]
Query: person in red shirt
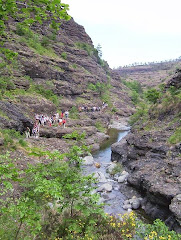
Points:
[63,122]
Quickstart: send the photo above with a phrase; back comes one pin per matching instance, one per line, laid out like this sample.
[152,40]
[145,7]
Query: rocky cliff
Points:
[152,155]
[55,71]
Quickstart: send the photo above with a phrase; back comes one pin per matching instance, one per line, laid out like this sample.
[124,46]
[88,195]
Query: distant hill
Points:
[151,74]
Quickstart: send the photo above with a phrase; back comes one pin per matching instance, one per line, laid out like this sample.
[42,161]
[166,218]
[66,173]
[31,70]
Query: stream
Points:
[121,191]
[114,199]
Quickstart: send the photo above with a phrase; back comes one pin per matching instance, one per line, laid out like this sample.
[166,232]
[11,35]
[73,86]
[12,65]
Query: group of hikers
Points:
[59,119]
[92,109]
[44,120]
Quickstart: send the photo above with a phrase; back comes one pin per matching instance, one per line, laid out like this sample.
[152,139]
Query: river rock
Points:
[100,177]
[175,207]
[123,177]
[105,187]
[111,167]
[127,206]
[88,160]
[97,165]
[136,204]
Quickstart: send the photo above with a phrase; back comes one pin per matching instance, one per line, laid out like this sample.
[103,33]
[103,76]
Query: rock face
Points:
[155,170]
[13,117]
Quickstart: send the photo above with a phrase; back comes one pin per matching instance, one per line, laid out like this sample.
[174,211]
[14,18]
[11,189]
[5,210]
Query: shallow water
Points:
[114,200]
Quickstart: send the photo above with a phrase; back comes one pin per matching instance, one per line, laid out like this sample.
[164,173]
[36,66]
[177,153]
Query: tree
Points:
[28,12]
[99,50]
[152,95]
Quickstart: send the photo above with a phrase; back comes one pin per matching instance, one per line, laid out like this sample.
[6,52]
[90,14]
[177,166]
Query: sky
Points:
[131,31]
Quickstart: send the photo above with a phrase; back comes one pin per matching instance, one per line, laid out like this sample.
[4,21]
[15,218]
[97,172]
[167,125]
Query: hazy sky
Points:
[131,30]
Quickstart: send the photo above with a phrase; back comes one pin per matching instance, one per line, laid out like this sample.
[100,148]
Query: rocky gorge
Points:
[62,70]
[153,163]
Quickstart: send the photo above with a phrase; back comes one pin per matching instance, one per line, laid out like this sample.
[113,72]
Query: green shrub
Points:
[157,230]
[117,169]
[23,30]
[176,137]
[6,83]
[100,127]
[152,95]
[133,85]
[89,49]
[23,143]
[47,93]
[45,42]
[64,55]
[141,114]
[74,114]
[135,97]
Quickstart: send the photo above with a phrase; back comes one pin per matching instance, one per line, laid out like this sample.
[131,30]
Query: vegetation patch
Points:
[176,137]
[100,127]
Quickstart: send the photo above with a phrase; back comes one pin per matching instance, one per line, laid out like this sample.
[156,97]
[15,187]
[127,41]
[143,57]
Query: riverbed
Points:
[114,199]
[120,191]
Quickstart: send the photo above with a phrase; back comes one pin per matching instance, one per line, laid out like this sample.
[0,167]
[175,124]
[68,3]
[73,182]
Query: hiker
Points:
[66,114]
[27,132]
[62,114]
[60,121]
[64,121]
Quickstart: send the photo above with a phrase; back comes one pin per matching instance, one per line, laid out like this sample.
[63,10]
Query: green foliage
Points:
[100,88]
[74,114]
[26,14]
[12,138]
[40,46]
[74,65]
[117,169]
[47,93]
[135,97]
[136,90]
[23,143]
[50,191]
[134,86]
[114,110]
[34,11]
[75,136]
[176,137]
[64,55]
[6,84]
[141,114]
[157,230]
[45,42]
[100,127]
[85,46]
[152,95]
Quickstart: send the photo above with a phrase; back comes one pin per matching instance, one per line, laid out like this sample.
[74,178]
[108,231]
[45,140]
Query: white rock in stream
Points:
[105,187]
[100,177]
[88,160]
[111,167]
[123,177]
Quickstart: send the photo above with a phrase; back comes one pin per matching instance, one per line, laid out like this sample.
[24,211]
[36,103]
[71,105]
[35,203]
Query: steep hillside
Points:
[152,154]
[151,74]
[55,71]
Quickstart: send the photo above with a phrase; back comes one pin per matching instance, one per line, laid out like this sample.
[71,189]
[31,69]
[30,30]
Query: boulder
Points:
[136,204]
[123,177]
[100,177]
[88,160]
[111,167]
[105,187]
[175,207]
[127,206]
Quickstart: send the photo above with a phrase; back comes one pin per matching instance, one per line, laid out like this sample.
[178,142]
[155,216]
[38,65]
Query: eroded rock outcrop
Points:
[155,170]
